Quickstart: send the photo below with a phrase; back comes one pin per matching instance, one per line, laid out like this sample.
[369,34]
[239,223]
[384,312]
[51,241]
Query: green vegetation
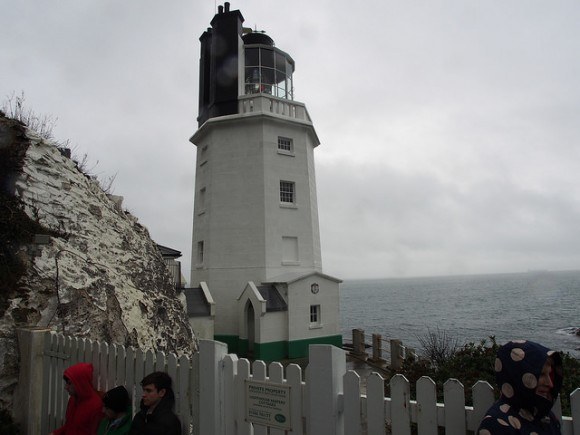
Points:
[571,380]
[473,362]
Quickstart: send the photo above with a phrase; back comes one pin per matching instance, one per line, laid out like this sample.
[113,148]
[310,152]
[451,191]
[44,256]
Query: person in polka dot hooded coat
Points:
[529,376]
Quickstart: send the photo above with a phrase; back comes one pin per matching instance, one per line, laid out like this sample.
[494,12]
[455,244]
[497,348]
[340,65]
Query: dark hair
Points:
[161,380]
[117,399]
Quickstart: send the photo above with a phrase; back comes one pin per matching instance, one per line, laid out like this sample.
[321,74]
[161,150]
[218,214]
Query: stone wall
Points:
[99,275]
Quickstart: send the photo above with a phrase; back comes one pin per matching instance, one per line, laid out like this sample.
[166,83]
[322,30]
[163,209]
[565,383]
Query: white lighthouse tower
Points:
[256,242]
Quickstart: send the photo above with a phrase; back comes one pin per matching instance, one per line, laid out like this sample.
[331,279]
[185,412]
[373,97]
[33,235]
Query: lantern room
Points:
[266,68]
[236,61]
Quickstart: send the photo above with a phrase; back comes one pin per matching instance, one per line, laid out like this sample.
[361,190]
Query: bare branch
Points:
[438,346]
[15,108]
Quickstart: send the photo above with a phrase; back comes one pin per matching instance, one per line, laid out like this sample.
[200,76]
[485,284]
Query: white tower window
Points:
[285,145]
[287,192]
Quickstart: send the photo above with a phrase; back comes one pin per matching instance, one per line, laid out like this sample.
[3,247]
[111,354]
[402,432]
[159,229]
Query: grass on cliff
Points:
[16,228]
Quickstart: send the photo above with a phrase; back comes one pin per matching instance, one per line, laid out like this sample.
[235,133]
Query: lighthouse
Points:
[256,243]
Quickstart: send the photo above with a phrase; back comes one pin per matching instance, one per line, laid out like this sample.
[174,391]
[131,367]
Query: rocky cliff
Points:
[72,260]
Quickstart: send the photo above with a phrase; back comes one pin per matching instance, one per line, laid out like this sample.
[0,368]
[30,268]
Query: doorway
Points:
[251,328]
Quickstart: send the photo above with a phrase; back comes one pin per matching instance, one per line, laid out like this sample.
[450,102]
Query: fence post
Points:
[326,368]
[211,411]
[377,349]
[397,356]
[454,402]
[358,343]
[575,405]
[28,394]
[483,398]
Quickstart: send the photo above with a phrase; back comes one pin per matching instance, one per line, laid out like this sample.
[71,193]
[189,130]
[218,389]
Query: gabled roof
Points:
[273,298]
[169,252]
[197,304]
[291,277]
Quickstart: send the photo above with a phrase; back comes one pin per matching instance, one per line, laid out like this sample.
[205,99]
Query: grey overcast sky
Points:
[450,129]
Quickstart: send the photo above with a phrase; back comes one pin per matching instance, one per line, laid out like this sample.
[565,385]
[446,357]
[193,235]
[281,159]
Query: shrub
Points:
[473,362]
[571,380]
[438,346]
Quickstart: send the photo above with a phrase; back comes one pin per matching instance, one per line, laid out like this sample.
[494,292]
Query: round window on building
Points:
[314,288]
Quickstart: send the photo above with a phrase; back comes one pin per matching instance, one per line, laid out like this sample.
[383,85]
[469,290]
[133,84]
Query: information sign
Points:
[268,404]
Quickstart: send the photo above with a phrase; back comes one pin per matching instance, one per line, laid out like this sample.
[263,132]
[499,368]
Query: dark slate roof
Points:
[197,305]
[291,277]
[169,252]
[274,300]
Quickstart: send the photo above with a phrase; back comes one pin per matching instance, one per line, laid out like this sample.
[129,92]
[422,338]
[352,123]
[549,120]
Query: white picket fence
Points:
[113,365]
[210,389]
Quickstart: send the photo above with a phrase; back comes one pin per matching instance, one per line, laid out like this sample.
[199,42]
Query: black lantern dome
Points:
[267,69]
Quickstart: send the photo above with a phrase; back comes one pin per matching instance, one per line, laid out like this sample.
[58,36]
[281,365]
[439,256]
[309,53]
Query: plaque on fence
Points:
[268,404]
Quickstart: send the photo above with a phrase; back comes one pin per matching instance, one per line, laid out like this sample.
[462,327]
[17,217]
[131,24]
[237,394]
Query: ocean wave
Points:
[405,308]
[571,330]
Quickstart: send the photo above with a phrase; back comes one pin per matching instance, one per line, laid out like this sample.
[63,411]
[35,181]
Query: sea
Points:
[541,306]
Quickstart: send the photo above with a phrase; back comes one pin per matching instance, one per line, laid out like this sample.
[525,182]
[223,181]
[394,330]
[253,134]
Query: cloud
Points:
[449,130]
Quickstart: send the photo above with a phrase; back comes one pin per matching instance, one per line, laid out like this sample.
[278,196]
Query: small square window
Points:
[287,192]
[285,144]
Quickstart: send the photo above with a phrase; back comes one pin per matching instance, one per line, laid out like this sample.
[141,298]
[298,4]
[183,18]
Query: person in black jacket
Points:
[156,416]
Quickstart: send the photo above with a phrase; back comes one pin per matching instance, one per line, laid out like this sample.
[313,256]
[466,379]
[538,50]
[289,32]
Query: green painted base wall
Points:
[276,350]
[271,351]
[299,348]
[243,346]
[231,340]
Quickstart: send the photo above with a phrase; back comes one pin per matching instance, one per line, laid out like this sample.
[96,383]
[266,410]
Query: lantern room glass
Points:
[268,70]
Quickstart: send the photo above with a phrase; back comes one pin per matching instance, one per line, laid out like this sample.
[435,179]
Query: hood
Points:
[518,367]
[81,376]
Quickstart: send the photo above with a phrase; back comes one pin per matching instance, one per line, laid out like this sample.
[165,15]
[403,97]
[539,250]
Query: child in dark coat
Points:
[117,409]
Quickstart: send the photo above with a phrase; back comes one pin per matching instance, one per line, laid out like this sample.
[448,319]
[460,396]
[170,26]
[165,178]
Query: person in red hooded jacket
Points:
[85,409]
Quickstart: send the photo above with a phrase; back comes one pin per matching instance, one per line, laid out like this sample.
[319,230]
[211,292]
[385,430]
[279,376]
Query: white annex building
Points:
[256,262]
